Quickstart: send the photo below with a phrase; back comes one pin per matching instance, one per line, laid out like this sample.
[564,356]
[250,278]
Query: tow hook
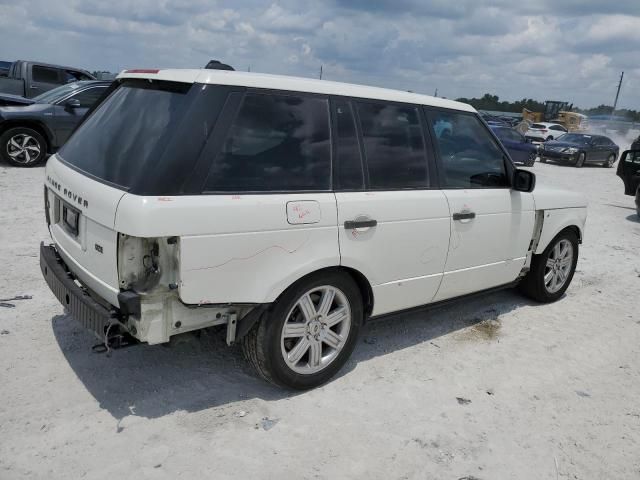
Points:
[114,339]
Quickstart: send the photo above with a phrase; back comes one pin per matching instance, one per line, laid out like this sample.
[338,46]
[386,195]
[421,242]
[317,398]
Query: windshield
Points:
[575,138]
[57,93]
[146,136]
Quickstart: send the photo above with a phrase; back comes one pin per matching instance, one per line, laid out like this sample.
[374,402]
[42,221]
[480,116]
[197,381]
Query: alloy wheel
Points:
[558,266]
[316,329]
[23,148]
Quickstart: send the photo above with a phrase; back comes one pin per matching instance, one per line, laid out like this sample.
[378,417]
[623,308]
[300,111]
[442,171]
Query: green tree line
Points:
[492,102]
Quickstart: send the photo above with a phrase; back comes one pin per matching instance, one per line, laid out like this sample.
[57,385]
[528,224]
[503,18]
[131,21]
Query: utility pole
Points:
[436,93]
[320,72]
[615,103]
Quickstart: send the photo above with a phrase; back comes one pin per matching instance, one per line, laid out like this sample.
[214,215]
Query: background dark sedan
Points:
[520,149]
[32,128]
[580,148]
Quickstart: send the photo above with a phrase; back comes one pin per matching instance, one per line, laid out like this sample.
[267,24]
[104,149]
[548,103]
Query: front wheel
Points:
[552,271]
[611,159]
[531,160]
[22,147]
[309,332]
[581,159]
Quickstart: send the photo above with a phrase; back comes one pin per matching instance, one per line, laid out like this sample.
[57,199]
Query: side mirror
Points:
[524,181]
[72,103]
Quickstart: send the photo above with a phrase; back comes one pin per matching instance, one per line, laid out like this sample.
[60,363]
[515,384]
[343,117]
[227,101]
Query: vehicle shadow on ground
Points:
[635,218]
[196,372]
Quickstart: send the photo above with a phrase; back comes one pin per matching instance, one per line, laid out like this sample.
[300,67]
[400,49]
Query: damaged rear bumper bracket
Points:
[91,314]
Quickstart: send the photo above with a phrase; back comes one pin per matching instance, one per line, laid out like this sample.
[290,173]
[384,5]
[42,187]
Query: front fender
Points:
[557,220]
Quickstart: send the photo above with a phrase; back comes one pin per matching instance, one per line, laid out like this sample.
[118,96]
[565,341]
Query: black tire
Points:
[611,160]
[531,161]
[32,156]
[262,345]
[581,159]
[533,284]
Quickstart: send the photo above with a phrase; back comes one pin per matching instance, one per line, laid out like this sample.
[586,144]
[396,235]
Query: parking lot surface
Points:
[491,388]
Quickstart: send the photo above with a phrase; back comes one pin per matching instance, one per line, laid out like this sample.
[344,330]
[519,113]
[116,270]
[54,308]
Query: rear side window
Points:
[394,146]
[45,74]
[470,157]
[276,143]
[539,126]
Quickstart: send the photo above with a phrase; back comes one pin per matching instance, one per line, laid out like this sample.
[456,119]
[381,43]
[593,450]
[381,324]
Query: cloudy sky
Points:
[570,50]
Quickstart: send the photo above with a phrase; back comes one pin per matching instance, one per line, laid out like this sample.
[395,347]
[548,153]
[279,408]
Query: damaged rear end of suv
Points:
[115,269]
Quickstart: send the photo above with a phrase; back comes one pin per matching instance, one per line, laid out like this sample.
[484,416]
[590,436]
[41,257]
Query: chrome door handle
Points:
[352,224]
[464,215]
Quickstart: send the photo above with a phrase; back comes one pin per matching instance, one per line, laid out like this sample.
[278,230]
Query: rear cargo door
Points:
[82,214]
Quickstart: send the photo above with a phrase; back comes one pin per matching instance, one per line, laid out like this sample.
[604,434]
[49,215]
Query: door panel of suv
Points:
[392,227]
[491,225]
[268,212]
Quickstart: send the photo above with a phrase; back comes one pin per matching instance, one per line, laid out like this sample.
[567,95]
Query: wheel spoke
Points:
[550,263]
[548,277]
[337,316]
[14,143]
[298,351]
[295,330]
[14,154]
[307,308]
[315,353]
[566,261]
[556,251]
[326,301]
[27,156]
[332,339]
[32,147]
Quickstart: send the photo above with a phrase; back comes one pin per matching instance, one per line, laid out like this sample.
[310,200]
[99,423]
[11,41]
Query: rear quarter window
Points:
[277,143]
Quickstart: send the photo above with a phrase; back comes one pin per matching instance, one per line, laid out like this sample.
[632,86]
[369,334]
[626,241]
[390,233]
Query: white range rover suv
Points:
[290,210]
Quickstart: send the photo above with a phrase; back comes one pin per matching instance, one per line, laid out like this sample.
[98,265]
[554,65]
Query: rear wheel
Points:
[581,159]
[22,147]
[309,333]
[552,271]
[611,159]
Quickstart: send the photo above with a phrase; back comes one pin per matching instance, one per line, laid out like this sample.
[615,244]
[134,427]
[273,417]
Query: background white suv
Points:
[543,131]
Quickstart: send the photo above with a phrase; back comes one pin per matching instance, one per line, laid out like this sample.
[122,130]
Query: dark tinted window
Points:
[74,75]
[146,137]
[348,162]
[394,146]
[469,155]
[45,74]
[88,97]
[276,143]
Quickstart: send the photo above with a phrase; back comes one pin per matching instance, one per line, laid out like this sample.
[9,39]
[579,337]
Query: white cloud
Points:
[573,50]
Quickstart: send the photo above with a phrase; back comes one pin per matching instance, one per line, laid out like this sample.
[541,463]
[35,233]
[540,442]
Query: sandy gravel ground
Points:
[494,388]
